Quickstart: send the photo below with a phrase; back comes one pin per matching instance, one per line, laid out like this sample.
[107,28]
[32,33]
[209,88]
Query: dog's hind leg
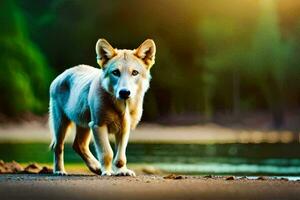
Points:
[81,146]
[59,124]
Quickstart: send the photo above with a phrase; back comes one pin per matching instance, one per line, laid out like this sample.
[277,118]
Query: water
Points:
[216,159]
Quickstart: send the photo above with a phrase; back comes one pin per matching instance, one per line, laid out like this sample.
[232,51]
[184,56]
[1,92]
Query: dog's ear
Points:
[104,52]
[146,52]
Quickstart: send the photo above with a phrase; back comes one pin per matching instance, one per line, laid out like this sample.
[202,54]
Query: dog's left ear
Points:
[146,52]
[104,52]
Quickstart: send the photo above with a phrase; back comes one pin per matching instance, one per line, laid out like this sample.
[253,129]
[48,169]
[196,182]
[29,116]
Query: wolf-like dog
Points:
[101,101]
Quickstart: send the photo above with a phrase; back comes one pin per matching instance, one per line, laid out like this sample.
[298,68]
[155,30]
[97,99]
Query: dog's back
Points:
[69,92]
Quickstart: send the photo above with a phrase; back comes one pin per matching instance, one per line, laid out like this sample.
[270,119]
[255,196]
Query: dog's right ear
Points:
[104,52]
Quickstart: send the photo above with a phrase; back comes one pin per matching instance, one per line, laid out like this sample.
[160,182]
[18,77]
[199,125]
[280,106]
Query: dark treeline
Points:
[212,56]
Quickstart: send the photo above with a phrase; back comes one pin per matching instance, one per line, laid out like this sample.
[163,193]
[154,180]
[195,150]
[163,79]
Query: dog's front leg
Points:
[120,159]
[104,150]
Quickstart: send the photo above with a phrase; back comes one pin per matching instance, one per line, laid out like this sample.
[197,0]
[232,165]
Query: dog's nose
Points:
[124,94]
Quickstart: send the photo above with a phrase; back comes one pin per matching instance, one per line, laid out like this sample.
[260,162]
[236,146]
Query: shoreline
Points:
[155,133]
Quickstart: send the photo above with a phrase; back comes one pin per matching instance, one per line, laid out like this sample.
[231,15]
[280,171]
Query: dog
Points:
[101,101]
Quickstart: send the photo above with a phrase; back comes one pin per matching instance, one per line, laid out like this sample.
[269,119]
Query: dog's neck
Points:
[121,106]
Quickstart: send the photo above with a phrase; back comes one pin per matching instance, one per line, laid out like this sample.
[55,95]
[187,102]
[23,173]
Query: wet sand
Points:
[22,186]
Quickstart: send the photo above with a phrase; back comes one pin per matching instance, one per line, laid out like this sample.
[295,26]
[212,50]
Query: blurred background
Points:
[225,82]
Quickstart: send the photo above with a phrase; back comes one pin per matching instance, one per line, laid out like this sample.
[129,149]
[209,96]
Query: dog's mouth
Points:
[123,99]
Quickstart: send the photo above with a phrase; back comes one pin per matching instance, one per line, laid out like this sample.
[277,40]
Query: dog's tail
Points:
[51,124]
[52,145]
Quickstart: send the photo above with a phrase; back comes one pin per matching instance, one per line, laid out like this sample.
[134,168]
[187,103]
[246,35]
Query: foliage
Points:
[24,75]
[212,56]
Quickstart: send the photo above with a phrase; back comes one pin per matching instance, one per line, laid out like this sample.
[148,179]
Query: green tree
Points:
[225,59]
[270,56]
[24,74]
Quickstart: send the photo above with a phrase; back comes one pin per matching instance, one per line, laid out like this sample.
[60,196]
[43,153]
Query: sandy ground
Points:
[210,133]
[142,187]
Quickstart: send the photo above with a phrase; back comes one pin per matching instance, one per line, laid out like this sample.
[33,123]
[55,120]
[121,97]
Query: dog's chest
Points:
[116,121]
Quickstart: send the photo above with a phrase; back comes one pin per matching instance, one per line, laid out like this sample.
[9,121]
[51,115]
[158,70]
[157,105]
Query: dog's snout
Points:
[124,94]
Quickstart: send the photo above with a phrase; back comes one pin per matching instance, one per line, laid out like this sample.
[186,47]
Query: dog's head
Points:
[126,73]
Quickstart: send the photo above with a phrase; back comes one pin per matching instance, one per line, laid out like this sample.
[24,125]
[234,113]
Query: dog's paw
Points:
[96,170]
[60,173]
[124,172]
[107,173]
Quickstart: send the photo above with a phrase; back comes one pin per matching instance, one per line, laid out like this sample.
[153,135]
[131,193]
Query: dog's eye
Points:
[116,72]
[134,73]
